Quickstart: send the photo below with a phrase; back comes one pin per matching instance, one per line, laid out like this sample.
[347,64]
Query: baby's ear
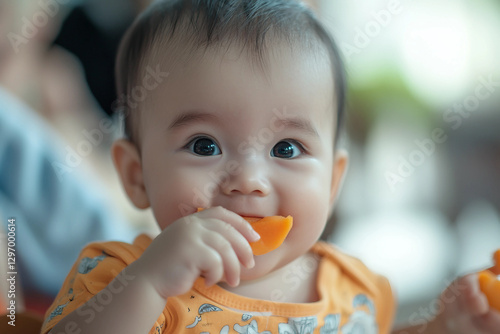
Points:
[128,165]
[340,163]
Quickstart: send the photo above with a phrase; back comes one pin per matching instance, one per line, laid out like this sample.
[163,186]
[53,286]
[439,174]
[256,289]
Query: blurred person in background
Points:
[92,31]
[47,78]
[54,178]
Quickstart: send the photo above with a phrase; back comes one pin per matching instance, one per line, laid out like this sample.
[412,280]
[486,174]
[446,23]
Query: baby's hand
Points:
[466,309]
[211,243]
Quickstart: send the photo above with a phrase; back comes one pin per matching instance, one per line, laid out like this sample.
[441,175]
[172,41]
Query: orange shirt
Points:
[352,299]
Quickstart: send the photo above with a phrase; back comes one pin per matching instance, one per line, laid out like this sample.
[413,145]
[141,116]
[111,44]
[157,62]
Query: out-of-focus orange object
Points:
[272,230]
[490,285]
[496,257]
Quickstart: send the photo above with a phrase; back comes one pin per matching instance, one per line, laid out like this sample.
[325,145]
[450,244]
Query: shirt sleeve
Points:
[386,305]
[95,268]
[371,283]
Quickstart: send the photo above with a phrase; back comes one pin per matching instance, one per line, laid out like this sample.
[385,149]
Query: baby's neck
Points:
[286,285]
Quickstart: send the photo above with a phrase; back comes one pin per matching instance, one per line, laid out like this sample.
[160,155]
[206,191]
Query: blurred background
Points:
[421,201]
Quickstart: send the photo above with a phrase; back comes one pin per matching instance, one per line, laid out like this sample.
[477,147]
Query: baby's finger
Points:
[495,270]
[230,262]
[489,322]
[210,264]
[472,300]
[240,245]
[233,219]
[496,259]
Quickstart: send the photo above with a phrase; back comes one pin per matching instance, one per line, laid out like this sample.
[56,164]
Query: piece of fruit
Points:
[489,283]
[496,257]
[490,286]
[272,230]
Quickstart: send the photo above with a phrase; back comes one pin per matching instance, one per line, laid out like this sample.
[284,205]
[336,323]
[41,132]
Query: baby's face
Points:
[221,132]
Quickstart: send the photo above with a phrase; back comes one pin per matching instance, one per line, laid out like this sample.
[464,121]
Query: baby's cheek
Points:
[315,195]
[310,215]
[181,193]
[170,204]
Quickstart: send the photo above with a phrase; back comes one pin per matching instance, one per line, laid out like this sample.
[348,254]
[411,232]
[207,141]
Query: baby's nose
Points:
[251,177]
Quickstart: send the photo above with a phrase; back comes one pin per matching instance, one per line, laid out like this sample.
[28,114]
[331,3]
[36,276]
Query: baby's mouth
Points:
[272,230]
[251,218]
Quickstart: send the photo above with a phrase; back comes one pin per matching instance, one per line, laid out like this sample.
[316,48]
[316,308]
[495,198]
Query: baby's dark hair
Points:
[197,25]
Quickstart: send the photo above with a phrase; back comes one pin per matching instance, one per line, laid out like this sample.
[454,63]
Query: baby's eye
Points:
[286,150]
[204,146]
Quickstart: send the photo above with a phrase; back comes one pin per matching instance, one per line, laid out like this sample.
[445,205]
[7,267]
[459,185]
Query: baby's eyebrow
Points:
[189,117]
[298,123]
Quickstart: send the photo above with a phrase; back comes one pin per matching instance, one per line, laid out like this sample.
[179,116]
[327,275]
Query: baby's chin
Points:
[254,273]
[264,265]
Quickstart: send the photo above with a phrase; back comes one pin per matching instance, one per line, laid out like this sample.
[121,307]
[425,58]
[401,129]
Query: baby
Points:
[234,106]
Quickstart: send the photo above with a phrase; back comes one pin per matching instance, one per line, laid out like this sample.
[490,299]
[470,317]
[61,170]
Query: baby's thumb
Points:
[472,299]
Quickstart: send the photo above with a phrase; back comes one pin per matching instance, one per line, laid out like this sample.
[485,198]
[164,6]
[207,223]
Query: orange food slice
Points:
[496,257]
[272,230]
[490,286]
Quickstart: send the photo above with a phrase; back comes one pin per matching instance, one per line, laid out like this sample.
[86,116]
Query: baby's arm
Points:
[133,310]
[464,310]
[211,243]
